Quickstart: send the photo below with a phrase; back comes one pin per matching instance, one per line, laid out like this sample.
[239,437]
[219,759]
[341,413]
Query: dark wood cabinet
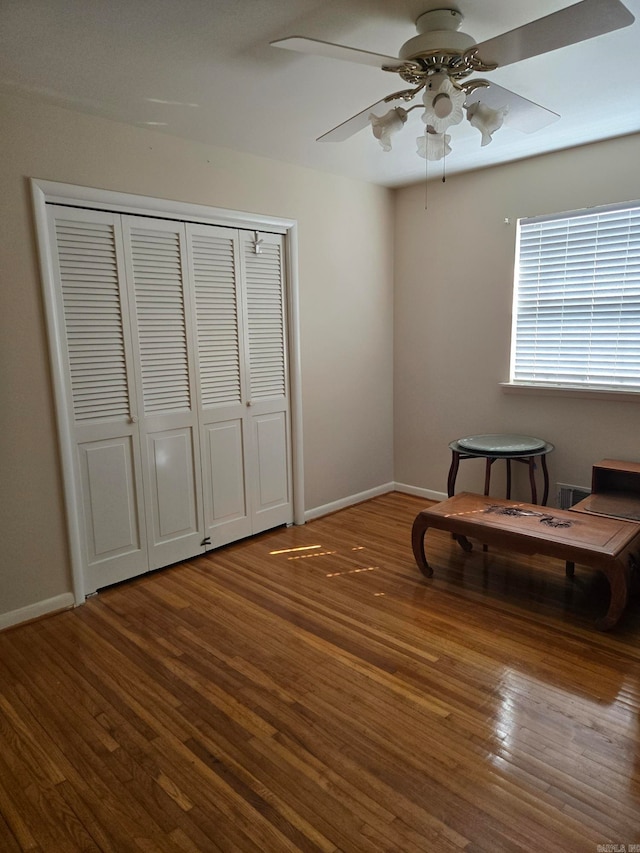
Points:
[615,490]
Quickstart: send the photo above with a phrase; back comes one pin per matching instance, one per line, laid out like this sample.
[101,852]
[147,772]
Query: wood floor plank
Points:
[16,814]
[84,761]
[8,841]
[309,690]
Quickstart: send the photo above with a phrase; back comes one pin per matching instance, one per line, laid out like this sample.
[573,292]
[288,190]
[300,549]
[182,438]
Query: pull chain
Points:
[426,172]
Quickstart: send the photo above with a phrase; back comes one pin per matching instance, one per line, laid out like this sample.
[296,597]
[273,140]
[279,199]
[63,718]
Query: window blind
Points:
[577,299]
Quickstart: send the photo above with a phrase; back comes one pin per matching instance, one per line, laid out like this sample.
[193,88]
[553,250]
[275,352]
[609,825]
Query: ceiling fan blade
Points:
[338,51]
[352,125]
[568,26]
[523,114]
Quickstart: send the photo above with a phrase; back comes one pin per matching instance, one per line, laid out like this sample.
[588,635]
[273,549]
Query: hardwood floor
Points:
[309,690]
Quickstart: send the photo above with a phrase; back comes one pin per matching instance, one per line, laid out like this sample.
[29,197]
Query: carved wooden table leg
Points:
[617,573]
[418,531]
[420,527]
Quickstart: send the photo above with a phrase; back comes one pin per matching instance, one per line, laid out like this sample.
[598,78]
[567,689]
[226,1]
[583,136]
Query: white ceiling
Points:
[204,70]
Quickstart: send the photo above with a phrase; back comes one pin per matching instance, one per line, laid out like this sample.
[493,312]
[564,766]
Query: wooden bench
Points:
[608,544]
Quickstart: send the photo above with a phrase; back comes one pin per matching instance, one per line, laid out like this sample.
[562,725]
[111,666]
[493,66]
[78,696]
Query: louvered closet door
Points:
[215,272]
[162,324]
[92,311]
[268,434]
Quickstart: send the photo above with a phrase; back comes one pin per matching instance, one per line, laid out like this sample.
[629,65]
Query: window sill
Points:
[566,391]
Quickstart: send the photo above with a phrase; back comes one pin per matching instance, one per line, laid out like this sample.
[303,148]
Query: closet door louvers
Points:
[93,319]
[92,309]
[161,322]
[265,319]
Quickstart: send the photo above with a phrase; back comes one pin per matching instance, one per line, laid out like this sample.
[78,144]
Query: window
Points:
[576,318]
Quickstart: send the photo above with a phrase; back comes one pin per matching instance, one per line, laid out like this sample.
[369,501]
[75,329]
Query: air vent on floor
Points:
[570,495]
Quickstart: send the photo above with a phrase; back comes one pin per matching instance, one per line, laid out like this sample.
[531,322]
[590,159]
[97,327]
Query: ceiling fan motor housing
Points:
[437,33]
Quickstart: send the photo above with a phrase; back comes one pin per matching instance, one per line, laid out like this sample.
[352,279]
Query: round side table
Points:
[521,448]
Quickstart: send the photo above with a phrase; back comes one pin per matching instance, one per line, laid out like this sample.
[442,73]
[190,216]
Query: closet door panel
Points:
[162,323]
[272,501]
[221,368]
[109,498]
[92,313]
[173,492]
[226,504]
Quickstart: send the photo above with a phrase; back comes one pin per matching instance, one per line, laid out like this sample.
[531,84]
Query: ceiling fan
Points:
[438,60]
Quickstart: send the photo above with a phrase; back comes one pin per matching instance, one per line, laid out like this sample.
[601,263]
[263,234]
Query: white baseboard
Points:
[343,503]
[429,494]
[34,611]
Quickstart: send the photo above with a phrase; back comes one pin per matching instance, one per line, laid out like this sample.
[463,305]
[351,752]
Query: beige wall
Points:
[346,301]
[454,274]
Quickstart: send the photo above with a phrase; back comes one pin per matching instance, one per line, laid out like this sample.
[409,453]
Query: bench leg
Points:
[418,531]
[420,527]
[617,574]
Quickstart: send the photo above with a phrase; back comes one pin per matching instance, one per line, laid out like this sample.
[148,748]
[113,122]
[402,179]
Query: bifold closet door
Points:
[268,429]
[93,322]
[175,370]
[244,415]
[161,308]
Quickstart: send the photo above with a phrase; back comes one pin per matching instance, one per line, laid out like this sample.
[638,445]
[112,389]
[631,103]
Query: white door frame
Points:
[44,192]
